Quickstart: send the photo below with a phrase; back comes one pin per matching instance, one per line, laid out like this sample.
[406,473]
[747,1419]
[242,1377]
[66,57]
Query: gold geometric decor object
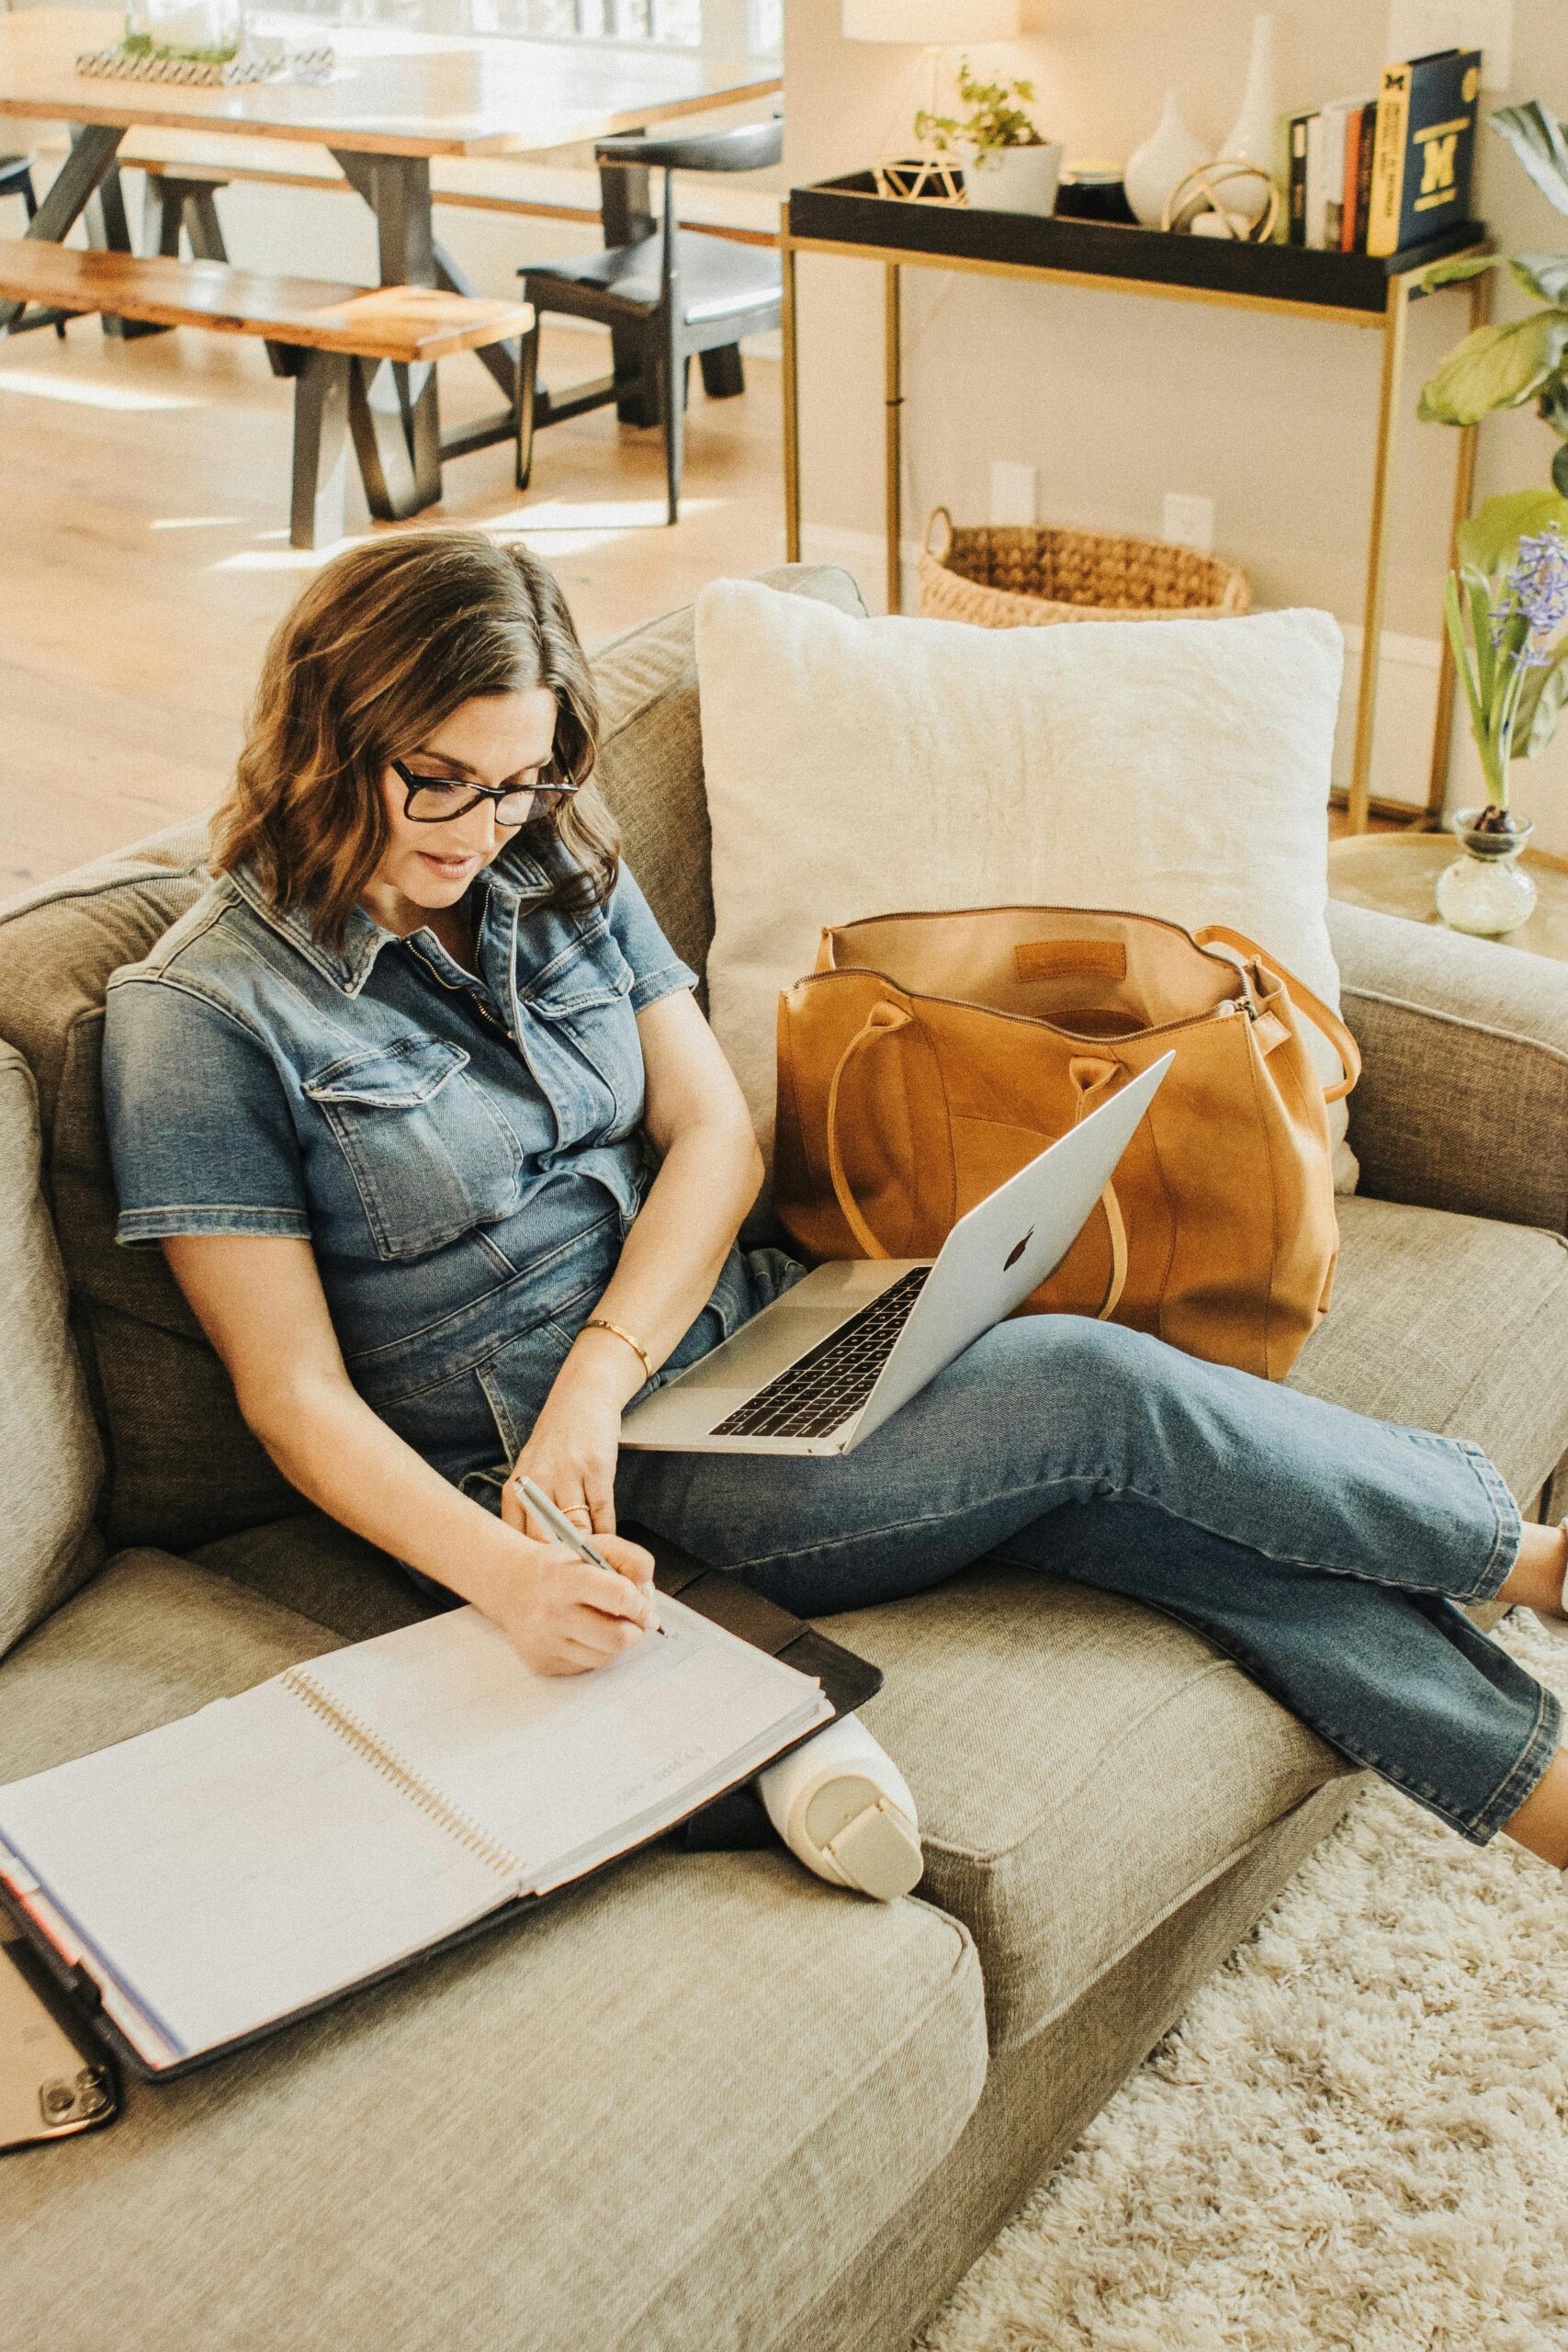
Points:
[1196,197]
[924,177]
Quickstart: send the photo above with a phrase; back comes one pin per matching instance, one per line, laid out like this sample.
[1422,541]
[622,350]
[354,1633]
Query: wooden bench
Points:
[347,341]
[196,180]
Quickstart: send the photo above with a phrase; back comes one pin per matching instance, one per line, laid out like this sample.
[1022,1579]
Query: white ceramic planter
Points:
[1015,180]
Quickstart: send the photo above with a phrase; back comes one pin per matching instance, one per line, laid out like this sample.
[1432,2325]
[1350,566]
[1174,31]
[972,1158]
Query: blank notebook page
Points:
[556,1769]
[234,1866]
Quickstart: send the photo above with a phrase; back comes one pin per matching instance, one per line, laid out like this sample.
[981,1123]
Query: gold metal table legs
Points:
[893,363]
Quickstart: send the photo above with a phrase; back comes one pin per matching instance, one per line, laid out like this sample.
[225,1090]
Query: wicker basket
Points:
[1025,576]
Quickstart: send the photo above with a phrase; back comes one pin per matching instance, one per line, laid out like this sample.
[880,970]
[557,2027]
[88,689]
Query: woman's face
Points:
[498,740]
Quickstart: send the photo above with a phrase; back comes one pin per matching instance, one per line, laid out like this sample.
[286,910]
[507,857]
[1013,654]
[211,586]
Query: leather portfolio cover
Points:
[734,1818]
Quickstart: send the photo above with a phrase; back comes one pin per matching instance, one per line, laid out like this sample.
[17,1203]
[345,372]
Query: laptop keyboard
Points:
[811,1396]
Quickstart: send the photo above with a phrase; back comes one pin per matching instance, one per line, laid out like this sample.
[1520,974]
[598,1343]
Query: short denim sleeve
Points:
[657,970]
[199,1128]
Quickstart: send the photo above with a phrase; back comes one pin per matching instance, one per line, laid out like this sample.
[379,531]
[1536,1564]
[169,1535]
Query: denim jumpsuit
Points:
[464,1151]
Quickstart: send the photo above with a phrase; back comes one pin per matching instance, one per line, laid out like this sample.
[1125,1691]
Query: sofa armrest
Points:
[1463,1099]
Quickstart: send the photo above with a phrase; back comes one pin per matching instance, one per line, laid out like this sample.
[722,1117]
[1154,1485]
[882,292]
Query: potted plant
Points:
[1505,607]
[1008,167]
[1522,359]
[1509,595]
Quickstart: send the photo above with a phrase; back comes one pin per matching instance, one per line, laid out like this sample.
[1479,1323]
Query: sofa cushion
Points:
[53,1460]
[1458,1324]
[640,2117]
[181,1463]
[152,1638]
[1083,1766]
[183,1468]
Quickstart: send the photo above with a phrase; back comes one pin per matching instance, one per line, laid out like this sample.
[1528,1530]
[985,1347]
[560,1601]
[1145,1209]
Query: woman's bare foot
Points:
[1537,1576]
[1542,1822]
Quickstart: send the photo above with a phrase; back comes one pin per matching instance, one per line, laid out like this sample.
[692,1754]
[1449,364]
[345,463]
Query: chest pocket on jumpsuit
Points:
[429,1157]
[584,1042]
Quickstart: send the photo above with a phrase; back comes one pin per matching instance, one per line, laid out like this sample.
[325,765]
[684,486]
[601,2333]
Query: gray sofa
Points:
[704,2102]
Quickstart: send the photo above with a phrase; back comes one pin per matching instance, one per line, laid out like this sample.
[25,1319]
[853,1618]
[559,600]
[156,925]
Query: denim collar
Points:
[513,878]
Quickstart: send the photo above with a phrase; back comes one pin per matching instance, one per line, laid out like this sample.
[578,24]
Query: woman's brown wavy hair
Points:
[385,643]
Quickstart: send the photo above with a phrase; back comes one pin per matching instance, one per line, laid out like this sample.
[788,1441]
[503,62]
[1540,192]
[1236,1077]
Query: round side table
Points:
[1396,873]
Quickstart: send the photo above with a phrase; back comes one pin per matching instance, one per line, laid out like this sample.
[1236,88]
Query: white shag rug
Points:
[1356,2136]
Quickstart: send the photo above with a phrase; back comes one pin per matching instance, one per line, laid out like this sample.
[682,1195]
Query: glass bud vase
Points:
[205,32]
[1485,891]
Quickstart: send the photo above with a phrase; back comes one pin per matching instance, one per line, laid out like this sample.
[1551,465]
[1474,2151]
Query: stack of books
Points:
[1375,175]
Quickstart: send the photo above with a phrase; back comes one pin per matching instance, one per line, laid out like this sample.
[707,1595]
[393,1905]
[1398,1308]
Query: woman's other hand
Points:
[564,1616]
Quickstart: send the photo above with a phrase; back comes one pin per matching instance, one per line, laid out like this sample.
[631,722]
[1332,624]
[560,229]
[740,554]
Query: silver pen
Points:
[556,1523]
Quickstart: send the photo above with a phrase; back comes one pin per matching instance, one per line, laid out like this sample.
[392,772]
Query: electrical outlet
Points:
[1188,521]
[1014,492]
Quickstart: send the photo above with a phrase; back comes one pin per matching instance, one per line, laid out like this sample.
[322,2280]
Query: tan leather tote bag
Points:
[929,1057]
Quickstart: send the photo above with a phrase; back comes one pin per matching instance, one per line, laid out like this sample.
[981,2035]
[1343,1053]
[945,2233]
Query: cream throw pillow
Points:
[857,768]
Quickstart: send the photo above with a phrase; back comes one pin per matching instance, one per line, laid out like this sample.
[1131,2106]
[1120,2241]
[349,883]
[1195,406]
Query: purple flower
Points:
[1535,590]
[1540,580]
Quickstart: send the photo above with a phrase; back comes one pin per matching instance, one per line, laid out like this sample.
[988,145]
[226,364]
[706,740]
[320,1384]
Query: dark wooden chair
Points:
[667,294]
[17,179]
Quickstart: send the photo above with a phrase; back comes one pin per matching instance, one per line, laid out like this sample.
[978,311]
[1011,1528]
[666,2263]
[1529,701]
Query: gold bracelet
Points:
[598,1323]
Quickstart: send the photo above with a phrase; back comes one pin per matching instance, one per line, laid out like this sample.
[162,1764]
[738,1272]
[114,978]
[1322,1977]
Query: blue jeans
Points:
[1323,1550]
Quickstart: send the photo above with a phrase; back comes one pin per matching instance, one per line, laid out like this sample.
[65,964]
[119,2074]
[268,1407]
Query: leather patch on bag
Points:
[1048,959]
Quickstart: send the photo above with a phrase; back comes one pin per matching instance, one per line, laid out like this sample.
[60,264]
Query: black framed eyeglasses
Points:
[431,799]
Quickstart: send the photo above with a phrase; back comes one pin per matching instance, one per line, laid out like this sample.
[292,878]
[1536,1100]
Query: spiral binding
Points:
[394,1768]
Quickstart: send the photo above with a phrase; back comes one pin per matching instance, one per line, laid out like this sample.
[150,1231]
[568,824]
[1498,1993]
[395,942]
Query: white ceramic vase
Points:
[1165,156]
[1015,180]
[1252,136]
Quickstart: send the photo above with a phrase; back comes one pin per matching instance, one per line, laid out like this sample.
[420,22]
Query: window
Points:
[764,28]
[669,24]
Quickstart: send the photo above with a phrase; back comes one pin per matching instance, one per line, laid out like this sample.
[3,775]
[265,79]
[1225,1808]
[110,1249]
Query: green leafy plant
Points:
[995,120]
[1505,607]
[1524,359]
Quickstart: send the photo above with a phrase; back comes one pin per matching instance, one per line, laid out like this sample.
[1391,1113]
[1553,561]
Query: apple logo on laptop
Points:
[1015,1252]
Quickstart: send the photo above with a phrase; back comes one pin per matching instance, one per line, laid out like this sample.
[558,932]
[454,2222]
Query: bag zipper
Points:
[1036,1021]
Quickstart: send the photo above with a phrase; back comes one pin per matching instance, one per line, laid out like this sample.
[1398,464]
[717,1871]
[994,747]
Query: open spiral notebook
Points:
[214,1878]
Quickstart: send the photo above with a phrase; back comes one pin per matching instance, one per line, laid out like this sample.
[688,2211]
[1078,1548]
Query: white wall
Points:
[1116,399]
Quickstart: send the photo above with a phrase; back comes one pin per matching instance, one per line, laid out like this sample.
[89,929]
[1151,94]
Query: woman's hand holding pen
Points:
[566,1616]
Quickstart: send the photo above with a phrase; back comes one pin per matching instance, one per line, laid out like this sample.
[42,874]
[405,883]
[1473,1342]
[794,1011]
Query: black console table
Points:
[847,216]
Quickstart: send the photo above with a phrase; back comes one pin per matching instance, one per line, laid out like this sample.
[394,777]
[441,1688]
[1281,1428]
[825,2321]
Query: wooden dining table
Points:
[390,102]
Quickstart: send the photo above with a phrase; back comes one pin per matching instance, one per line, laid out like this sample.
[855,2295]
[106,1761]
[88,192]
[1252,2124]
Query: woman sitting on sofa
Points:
[441,1151]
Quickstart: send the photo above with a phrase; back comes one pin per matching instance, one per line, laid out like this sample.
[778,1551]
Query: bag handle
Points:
[1333,1028]
[1090,1078]
[939,514]
[883,1021]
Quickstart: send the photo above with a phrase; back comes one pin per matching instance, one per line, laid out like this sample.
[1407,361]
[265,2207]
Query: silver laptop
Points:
[827,1363]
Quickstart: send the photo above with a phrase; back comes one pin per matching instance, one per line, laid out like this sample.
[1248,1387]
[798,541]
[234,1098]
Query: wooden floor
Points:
[144,556]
